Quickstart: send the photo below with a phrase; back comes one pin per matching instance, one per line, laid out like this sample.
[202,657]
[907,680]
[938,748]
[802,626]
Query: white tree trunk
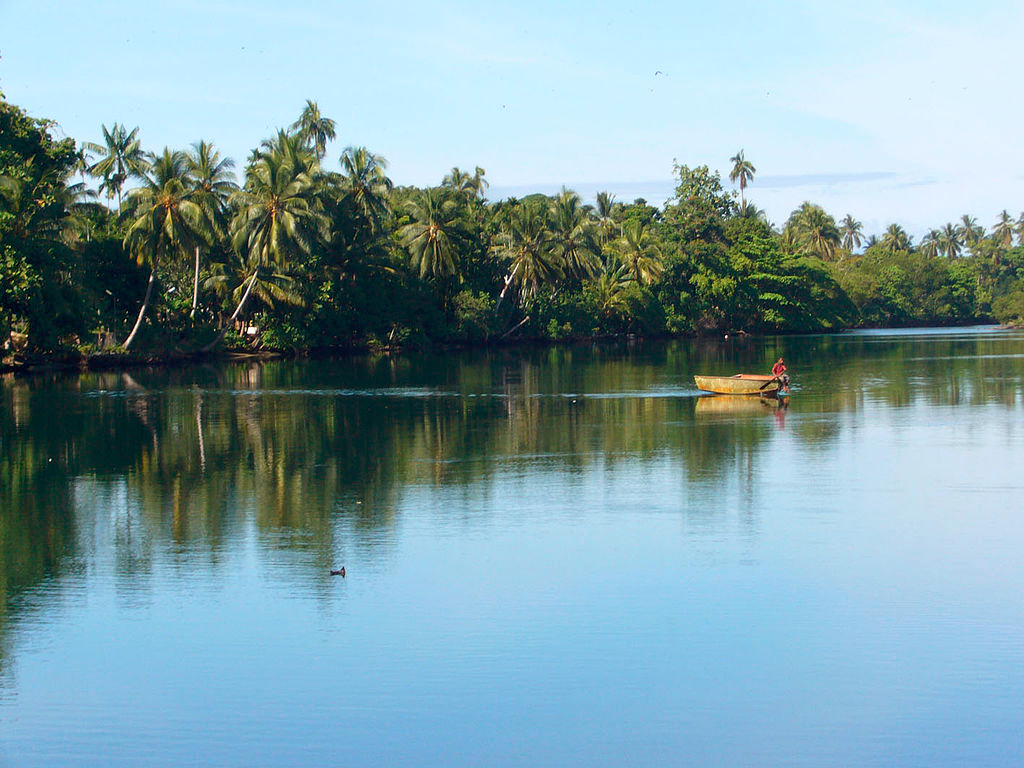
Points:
[234,315]
[142,312]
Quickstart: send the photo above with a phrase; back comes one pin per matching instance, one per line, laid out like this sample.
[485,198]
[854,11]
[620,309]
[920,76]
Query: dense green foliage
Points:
[304,257]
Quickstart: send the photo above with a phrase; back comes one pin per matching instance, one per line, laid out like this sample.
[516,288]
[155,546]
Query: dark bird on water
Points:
[339,572]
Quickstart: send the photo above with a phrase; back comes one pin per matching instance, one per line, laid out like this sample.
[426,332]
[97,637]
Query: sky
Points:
[894,111]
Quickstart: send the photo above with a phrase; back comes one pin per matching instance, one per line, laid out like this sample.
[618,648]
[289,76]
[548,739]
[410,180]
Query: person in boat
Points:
[779,372]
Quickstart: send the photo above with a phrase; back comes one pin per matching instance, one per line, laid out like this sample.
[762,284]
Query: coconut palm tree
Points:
[971,230]
[432,235]
[852,232]
[743,172]
[121,158]
[930,244]
[366,184]
[610,286]
[895,239]
[479,184]
[605,217]
[526,245]
[572,235]
[814,230]
[639,253]
[1002,232]
[213,181]
[167,221]
[276,222]
[314,129]
[950,241]
[458,180]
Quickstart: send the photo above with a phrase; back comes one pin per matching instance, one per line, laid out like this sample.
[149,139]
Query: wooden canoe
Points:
[740,384]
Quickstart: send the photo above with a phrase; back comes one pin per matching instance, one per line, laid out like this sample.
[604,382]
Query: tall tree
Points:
[1002,232]
[314,129]
[525,244]
[742,172]
[212,180]
[572,236]
[365,182]
[814,230]
[167,221]
[971,230]
[121,158]
[950,241]
[930,244]
[852,232]
[431,236]
[895,239]
[639,252]
[276,222]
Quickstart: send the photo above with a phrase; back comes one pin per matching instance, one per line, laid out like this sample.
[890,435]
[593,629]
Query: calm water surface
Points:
[553,557]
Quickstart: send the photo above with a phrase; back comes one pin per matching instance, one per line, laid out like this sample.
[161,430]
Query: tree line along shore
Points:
[109,249]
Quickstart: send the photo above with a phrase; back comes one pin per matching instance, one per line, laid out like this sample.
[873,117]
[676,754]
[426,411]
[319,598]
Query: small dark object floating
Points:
[339,572]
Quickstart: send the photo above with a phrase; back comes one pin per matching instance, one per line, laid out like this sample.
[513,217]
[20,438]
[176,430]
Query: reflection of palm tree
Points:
[168,220]
[275,224]
[212,180]
[121,158]
[852,232]
[639,253]
[743,171]
[430,236]
[314,129]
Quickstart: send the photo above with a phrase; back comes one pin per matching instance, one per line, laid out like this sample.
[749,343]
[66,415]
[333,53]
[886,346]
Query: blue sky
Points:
[891,111]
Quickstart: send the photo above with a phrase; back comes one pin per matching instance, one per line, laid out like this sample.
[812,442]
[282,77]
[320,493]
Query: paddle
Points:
[767,383]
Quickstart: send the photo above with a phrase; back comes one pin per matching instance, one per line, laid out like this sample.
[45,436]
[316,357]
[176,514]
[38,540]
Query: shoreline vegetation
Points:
[115,256]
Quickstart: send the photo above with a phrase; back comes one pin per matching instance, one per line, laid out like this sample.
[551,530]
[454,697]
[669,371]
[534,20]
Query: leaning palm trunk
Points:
[142,312]
[195,289]
[234,315]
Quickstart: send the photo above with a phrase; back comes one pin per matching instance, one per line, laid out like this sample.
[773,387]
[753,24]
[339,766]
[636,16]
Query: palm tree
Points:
[366,184]
[121,158]
[572,237]
[275,222]
[895,239]
[168,220]
[605,221]
[1002,232]
[478,184]
[314,129]
[638,252]
[431,236]
[526,243]
[742,171]
[930,244]
[458,180]
[971,230]
[950,241]
[610,286]
[814,230]
[213,181]
[852,232]
[1020,229]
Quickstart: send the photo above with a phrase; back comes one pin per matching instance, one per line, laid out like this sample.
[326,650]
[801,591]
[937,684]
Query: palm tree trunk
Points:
[234,315]
[195,289]
[142,312]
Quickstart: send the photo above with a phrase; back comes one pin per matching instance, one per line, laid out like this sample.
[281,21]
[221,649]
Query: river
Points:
[553,556]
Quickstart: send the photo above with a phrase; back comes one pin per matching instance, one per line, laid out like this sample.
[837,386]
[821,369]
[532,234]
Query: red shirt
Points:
[778,369]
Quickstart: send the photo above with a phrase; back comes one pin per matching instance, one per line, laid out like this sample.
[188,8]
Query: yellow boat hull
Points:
[740,384]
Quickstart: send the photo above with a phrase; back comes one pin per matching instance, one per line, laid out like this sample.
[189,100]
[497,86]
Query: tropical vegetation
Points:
[170,252]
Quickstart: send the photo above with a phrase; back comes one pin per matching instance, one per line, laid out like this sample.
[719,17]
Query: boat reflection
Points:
[737,405]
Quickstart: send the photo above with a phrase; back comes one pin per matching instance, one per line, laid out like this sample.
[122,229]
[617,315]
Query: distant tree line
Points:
[165,252]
